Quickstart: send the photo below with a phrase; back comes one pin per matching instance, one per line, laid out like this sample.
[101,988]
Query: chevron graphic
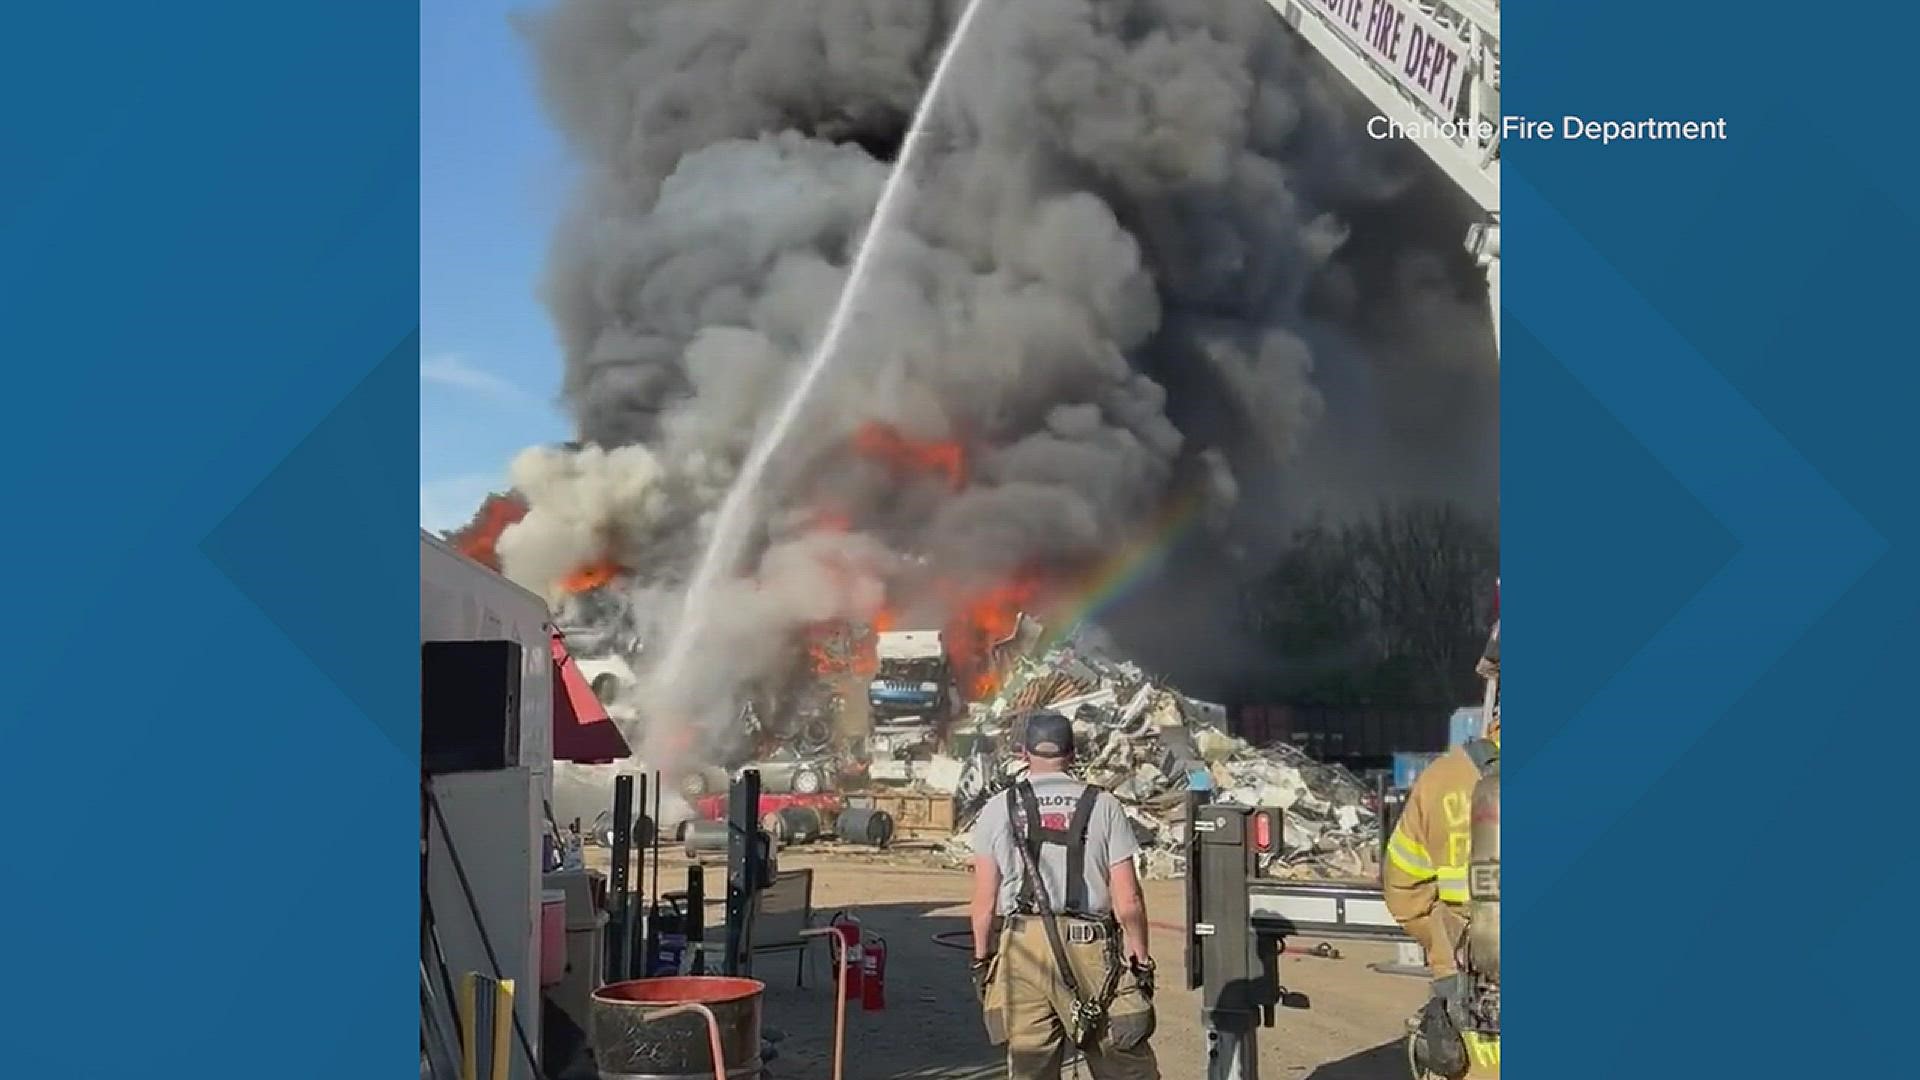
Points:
[310,512]
[1801,545]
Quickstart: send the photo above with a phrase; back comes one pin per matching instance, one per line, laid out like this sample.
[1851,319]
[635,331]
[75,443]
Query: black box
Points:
[469,706]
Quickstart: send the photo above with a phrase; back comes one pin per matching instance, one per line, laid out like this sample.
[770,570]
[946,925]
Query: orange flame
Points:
[978,620]
[822,656]
[590,577]
[982,619]
[844,647]
[884,443]
[866,660]
[478,540]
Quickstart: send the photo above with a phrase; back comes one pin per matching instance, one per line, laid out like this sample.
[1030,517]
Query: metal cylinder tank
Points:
[705,837]
[865,825]
[628,1045]
[793,824]
[1483,878]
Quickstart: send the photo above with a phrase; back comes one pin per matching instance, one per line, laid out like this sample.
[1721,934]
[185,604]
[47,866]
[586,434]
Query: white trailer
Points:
[495,819]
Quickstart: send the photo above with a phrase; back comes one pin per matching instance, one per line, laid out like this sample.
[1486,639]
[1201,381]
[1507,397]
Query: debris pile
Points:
[1149,744]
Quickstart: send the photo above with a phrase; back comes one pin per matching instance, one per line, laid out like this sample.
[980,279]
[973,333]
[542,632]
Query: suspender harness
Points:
[1089,1014]
[1031,900]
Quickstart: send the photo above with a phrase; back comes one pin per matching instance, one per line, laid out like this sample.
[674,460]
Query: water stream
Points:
[739,511]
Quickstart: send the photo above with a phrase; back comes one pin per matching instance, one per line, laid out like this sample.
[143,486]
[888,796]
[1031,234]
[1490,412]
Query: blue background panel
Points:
[208,227]
[1708,523]
[209,221]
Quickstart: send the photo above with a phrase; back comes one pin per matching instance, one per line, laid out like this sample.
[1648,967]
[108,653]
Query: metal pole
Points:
[653,890]
[743,867]
[697,917]
[1237,977]
[839,947]
[1380,785]
[619,957]
[643,917]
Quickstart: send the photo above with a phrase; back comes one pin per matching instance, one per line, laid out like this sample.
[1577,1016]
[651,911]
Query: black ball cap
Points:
[1049,735]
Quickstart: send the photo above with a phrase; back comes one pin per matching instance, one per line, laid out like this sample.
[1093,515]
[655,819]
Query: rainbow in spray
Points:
[1125,570]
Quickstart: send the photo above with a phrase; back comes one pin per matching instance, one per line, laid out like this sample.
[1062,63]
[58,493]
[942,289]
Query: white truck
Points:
[911,699]
[495,819]
[913,680]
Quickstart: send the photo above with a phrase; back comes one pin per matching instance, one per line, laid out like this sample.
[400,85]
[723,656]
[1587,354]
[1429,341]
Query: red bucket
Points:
[682,990]
[627,1043]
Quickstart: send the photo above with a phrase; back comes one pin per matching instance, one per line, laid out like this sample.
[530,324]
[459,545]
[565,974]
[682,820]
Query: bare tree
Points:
[1425,574]
[1393,607]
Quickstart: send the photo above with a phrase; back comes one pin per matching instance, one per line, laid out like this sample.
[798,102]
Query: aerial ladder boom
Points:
[1432,69]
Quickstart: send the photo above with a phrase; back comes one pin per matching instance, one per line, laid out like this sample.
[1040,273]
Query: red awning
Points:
[583,733]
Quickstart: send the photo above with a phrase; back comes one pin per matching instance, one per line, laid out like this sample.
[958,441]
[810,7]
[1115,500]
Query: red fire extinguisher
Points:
[849,930]
[873,974]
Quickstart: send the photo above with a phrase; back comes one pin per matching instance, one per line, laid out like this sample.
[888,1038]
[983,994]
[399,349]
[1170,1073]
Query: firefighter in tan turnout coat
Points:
[1425,876]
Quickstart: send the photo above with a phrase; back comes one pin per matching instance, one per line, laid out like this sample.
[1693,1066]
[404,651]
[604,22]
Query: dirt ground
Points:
[931,1028]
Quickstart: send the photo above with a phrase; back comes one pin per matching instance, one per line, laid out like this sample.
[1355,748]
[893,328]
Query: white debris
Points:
[1146,753]
[1137,707]
[1102,699]
[1217,745]
[942,774]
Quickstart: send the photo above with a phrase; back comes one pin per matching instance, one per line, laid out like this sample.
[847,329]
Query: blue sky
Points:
[493,178]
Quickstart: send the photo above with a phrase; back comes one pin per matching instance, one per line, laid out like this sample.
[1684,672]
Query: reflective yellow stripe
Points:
[1414,849]
[1484,1048]
[1407,854]
[1417,873]
[1453,884]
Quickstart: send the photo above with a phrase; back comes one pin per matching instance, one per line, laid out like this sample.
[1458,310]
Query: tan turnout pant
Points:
[1029,1005]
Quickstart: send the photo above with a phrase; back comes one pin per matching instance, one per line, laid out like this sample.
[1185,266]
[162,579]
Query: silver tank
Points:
[1483,878]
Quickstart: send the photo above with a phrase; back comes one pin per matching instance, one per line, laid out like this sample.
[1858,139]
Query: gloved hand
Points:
[1142,968]
[1438,1049]
[1449,933]
[982,970]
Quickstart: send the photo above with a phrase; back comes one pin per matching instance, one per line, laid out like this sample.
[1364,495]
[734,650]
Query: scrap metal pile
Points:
[1145,743]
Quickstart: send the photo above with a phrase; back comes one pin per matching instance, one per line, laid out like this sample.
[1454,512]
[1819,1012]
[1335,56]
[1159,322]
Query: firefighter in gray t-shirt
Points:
[1063,959]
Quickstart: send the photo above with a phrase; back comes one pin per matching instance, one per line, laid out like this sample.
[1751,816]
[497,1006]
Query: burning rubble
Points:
[1099,306]
[1139,739]
[1145,742]
[884,443]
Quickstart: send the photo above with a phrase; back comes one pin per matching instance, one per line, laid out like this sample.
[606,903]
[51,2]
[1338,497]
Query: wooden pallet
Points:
[915,816]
